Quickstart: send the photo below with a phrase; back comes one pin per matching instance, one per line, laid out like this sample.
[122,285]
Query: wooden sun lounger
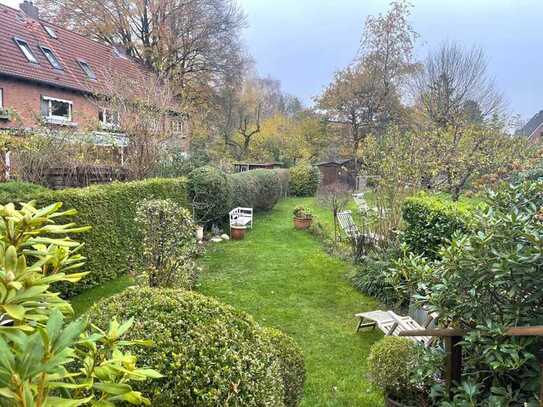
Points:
[392,324]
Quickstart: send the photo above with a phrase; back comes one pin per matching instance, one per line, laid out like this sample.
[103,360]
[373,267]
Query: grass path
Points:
[286,280]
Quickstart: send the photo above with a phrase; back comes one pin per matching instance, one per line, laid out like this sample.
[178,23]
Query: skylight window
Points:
[25,49]
[48,52]
[50,31]
[87,69]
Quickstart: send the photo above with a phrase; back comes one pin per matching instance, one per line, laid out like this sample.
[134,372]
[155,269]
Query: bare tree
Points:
[147,112]
[454,88]
[194,42]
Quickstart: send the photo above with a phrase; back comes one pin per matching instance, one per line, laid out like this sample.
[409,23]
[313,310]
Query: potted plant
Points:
[302,218]
[237,231]
[391,365]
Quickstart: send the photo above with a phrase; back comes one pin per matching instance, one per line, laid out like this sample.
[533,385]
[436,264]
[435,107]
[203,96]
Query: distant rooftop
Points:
[532,126]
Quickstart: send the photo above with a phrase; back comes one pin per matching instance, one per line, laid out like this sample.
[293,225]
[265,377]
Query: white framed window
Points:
[87,69]
[25,49]
[51,57]
[56,111]
[109,119]
[50,31]
[176,125]
[1,98]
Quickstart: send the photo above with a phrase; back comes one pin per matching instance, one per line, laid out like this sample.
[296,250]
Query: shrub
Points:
[390,363]
[169,244]
[207,191]
[304,180]
[42,357]
[490,280]
[210,353]
[13,191]
[110,210]
[257,189]
[431,221]
[291,363]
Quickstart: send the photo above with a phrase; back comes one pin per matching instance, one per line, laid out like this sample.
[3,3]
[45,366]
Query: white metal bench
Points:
[242,217]
[392,324]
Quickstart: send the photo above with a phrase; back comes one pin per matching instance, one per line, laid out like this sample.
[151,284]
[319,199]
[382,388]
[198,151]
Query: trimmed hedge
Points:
[209,353]
[213,193]
[208,193]
[114,240]
[431,221]
[257,189]
[304,180]
[11,191]
[291,363]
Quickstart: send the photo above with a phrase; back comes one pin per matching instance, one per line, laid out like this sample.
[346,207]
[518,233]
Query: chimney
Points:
[31,11]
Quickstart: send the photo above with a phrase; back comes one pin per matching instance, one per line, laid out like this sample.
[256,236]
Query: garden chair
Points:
[360,201]
[392,324]
[346,222]
[242,217]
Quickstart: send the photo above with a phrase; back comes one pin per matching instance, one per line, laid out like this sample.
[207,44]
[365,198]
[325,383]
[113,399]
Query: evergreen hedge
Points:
[213,193]
[431,221]
[304,180]
[114,240]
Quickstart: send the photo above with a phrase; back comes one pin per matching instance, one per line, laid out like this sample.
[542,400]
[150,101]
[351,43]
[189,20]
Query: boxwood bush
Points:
[291,362]
[208,193]
[213,193]
[431,220]
[304,180]
[11,191]
[257,189]
[210,354]
[110,209]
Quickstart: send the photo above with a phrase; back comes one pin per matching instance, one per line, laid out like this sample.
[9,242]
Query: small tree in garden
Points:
[334,198]
[304,180]
[169,244]
[43,360]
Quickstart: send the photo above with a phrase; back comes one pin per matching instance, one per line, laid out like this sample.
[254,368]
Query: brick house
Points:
[533,129]
[50,75]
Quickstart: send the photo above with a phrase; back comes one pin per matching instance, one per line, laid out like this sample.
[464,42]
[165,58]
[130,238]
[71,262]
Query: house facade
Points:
[533,129]
[52,76]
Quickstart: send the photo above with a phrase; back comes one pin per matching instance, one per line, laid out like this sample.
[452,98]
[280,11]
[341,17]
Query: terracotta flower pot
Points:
[237,232]
[302,223]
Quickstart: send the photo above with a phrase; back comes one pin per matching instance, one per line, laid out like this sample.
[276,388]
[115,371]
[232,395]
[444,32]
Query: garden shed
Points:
[242,166]
[338,172]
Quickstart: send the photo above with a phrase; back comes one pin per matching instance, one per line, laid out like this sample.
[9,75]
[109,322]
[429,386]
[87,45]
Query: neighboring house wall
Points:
[25,99]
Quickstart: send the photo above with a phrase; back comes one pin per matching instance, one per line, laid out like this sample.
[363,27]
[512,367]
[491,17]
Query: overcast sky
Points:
[302,42]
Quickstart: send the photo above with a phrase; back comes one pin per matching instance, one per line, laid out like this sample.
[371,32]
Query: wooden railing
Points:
[452,339]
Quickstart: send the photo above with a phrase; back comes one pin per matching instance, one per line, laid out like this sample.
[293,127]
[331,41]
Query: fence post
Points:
[453,370]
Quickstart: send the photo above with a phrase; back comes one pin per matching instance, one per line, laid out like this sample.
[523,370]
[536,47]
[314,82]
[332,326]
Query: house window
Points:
[109,119]
[87,69]
[25,49]
[50,31]
[51,57]
[176,126]
[1,99]
[56,111]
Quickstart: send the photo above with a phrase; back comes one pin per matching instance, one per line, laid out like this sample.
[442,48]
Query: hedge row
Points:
[431,220]
[304,180]
[114,241]
[213,194]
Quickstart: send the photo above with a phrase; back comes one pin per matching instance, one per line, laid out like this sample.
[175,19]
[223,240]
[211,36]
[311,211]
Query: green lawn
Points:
[285,280]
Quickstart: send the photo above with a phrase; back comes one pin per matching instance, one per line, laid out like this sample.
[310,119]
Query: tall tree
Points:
[196,43]
[365,97]
[454,89]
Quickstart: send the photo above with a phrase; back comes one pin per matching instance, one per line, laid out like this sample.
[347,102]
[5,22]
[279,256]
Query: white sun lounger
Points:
[392,324]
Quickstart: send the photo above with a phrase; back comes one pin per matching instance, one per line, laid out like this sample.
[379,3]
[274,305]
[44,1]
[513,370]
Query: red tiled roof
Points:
[68,48]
